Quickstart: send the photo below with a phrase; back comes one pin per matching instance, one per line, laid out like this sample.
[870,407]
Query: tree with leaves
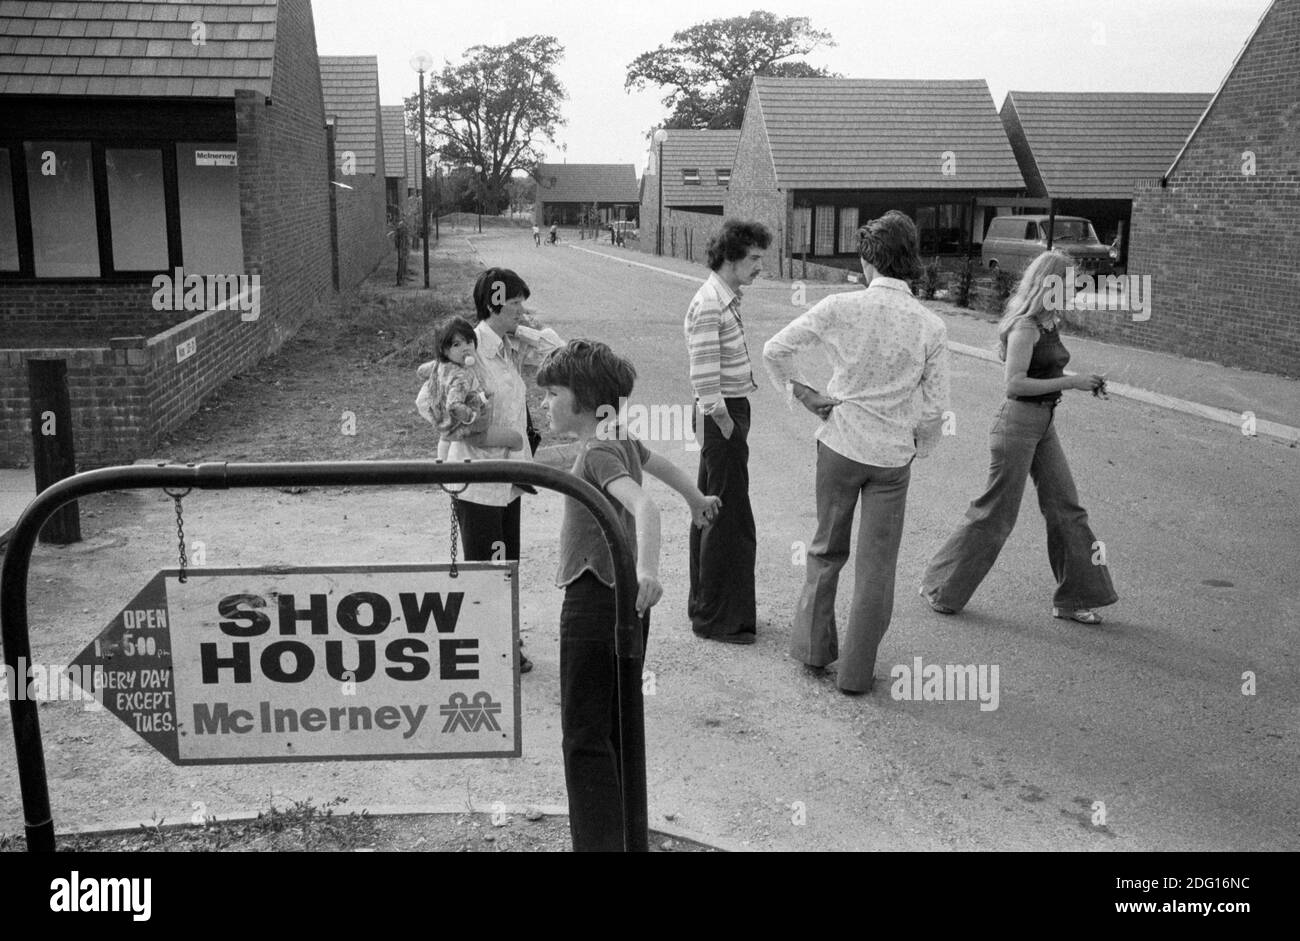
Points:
[709,66]
[492,112]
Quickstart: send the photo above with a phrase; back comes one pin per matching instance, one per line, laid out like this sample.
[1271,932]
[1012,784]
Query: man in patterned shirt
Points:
[721,603]
[883,406]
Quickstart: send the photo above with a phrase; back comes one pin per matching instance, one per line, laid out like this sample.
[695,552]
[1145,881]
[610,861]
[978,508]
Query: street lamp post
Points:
[660,136]
[422,62]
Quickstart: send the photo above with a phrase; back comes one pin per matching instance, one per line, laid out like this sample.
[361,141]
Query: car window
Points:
[1031,231]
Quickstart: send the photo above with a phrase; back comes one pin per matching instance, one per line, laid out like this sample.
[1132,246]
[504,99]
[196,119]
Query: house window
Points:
[691,177]
[208,185]
[849,229]
[61,191]
[8,219]
[724,176]
[137,212]
[825,231]
[801,229]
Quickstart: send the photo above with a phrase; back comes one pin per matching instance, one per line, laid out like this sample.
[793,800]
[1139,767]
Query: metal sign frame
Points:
[14,629]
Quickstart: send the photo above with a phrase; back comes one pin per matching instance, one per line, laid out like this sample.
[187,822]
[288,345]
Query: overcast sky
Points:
[1026,45]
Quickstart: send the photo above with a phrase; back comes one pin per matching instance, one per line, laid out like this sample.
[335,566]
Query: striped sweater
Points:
[715,343]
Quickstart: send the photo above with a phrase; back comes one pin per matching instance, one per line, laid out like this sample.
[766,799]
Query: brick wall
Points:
[62,309]
[109,390]
[291,201]
[125,399]
[362,216]
[363,227]
[1221,246]
[686,234]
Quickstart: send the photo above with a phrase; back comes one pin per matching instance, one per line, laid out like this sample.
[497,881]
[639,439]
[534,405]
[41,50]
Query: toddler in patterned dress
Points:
[453,398]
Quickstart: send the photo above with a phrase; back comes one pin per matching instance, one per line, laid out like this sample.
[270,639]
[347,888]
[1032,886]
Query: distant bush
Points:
[965,282]
[1005,282]
[930,279]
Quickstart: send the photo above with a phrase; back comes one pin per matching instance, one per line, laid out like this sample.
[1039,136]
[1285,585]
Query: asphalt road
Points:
[1145,714]
[1149,715]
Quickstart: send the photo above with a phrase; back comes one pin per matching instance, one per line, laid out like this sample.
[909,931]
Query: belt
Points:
[1050,403]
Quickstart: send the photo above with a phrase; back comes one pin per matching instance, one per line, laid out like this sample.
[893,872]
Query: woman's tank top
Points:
[1047,362]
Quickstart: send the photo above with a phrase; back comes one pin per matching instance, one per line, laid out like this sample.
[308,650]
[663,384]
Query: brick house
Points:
[564,190]
[818,157]
[1086,151]
[1219,232]
[138,139]
[412,165]
[395,171]
[696,173]
[350,88]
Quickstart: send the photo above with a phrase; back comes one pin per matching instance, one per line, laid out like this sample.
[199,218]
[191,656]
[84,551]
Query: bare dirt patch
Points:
[343,388]
[304,827]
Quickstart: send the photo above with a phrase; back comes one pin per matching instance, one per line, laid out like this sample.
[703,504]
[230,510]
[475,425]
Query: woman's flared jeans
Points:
[1024,444]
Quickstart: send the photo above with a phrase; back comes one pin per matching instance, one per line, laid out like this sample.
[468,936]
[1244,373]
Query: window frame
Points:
[108,272]
[688,179]
[719,174]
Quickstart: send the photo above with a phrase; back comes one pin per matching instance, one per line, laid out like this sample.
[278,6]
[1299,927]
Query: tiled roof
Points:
[350,86]
[95,47]
[587,183]
[1095,145]
[704,151]
[848,133]
[394,117]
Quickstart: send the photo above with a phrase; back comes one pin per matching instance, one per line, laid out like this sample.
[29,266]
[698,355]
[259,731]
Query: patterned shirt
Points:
[889,356]
[715,342]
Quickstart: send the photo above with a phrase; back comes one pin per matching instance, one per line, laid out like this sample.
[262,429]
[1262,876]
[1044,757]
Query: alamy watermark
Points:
[199,292]
[1077,291]
[39,682]
[948,682]
[657,422]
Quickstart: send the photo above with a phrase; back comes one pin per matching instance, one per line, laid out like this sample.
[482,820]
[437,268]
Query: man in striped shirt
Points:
[721,603]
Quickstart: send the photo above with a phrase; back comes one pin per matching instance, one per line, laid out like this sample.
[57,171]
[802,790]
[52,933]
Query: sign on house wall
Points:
[253,665]
[216,158]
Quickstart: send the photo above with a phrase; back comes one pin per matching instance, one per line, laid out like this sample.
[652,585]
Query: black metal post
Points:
[53,452]
[14,571]
[659,223]
[424,184]
[1051,223]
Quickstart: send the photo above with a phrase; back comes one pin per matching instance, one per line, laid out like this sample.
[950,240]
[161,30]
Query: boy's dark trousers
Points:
[721,603]
[589,714]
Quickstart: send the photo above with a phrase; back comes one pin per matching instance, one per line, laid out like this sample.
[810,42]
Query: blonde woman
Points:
[1024,444]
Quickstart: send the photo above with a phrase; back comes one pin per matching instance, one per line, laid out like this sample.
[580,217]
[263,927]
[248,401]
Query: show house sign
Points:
[250,665]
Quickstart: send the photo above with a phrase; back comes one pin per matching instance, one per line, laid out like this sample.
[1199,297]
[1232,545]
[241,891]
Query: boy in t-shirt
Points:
[584,382]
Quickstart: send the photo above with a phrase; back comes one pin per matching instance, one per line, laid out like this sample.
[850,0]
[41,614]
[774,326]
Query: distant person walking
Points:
[1024,444]
[883,407]
[537,236]
[721,603]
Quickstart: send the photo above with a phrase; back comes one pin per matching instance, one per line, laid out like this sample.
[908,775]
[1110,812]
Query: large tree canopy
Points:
[494,110]
[708,67]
